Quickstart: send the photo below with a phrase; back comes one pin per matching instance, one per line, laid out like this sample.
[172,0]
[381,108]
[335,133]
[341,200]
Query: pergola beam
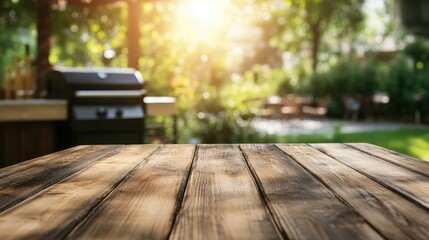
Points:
[133,34]
[94,3]
[43,43]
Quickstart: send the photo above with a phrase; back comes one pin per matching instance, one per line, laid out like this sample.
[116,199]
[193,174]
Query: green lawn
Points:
[410,141]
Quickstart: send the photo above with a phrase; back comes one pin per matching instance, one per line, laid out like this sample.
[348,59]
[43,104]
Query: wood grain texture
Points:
[413,164]
[392,215]
[32,177]
[304,207]
[43,160]
[54,212]
[221,200]
[215,192]
[406,182]
[144,206]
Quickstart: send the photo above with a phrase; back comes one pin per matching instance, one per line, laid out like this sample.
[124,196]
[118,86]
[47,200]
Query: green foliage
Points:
[347,77]
[17,28]
[400,87]
[221,74]
[419,52]
[407,89]
[82,35]
[306,23]
[408,81]
[224,112]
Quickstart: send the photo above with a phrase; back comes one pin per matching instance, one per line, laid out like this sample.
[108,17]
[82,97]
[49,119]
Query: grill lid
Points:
[66,81]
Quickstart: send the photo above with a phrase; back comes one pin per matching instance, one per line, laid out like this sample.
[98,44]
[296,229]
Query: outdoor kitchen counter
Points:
[56,110]
[316,191]
[28,128]
[33,110]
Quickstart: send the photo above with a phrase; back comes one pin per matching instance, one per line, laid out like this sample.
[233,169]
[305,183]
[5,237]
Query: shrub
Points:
[347,77]
[407,89]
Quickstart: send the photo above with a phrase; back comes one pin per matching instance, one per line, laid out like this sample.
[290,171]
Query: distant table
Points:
[162,106]
[158,106]
[298,191]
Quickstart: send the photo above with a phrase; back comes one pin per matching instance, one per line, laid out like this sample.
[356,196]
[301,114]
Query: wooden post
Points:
[24,81]
[28,74]
[133,34]
[18,79]
[28,81]
[43,42]
[8,84]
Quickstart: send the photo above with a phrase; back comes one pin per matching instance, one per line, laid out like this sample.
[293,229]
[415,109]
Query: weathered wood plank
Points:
[399,159]
[35,175]
[144,206]
[54,212]
[392,215]
[304,207]
[222,200]
[22,166]
[408,183]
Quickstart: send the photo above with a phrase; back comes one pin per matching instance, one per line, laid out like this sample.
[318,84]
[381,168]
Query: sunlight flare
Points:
[201,18]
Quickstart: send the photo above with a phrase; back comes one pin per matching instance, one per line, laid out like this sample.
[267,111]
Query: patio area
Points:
[289,127]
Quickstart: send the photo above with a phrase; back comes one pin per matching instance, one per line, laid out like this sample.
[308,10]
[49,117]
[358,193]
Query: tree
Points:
[318,16]
[17,20]
[89,36]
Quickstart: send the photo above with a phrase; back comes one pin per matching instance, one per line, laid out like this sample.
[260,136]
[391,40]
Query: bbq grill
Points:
[105,105]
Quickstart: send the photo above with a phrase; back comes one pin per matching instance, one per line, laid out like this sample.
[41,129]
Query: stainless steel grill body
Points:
[105,105]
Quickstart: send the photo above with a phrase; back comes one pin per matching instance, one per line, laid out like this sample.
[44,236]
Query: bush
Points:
[407,89]
[347,77]
[223,113]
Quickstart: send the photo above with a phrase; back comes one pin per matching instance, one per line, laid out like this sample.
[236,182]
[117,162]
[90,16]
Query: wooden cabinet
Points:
[28,128]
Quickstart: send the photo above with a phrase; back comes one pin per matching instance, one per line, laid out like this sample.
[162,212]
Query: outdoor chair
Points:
[291,107]
[352,106]
[320,110]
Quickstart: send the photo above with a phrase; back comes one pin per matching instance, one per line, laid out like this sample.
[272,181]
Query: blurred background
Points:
[247,71]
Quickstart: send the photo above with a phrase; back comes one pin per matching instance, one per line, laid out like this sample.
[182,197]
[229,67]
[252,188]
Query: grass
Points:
[410,141]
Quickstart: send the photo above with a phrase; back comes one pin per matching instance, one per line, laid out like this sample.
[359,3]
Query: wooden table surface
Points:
[298,191]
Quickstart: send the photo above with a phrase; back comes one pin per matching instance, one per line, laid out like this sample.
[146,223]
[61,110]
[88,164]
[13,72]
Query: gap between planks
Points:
[275,219]
[182,191]
[69,168]
[404,182]
[20,213]
[331,190]
[221,190]
[25,165]
[413,164]
[106,196]
[300,222]
[129,211]
[392,215]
